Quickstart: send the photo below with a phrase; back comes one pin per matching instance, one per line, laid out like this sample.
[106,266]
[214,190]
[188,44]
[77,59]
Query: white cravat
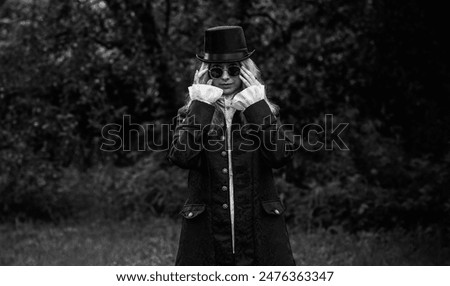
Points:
[228,110]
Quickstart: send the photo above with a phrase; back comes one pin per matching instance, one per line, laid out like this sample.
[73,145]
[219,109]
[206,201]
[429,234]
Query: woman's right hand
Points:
[204,92]
[198,75]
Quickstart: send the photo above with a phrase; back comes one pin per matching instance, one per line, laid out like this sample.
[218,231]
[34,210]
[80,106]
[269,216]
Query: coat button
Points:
[224,153]
[222,137]
[224,206]
[225,170]
[190,214]
[276,211]
[224,188]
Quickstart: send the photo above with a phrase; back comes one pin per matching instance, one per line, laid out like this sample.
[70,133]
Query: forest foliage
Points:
[68,68]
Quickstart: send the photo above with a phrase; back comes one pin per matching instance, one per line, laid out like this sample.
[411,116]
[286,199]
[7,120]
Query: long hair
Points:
[249,65]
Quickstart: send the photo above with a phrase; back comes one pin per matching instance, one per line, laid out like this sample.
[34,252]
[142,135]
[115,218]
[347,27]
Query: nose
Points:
[225,75]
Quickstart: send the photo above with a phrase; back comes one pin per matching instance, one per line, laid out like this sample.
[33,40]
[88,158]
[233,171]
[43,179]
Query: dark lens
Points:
[234,71]
[215,72]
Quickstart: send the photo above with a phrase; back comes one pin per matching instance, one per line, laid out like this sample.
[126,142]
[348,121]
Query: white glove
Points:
[205,92]
[248,96]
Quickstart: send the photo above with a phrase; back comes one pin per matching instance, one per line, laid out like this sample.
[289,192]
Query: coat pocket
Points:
[191,211]
[273,207]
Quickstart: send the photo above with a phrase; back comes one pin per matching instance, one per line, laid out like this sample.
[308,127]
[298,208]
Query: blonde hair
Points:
[249,65]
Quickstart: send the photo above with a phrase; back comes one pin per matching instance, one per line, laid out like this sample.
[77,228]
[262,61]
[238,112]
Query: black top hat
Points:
[224,44]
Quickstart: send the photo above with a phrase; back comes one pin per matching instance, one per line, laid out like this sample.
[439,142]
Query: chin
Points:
[229,91]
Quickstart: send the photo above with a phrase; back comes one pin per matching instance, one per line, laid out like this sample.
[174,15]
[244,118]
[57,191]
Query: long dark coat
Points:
[260,235]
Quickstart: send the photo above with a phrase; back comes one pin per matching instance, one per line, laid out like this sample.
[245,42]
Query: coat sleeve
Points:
[276,143]
[186,145]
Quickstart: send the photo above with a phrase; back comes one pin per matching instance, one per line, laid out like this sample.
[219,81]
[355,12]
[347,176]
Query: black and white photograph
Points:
[224,133]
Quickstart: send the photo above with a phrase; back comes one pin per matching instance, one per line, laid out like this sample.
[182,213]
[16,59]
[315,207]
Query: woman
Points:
[229,137]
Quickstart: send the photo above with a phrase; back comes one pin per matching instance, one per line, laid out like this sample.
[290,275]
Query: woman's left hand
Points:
[248,79]
[253,92]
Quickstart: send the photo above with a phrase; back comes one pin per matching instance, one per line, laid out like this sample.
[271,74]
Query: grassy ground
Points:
[155,243]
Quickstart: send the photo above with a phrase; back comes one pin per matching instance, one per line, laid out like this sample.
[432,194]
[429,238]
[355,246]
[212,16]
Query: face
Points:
[230,84]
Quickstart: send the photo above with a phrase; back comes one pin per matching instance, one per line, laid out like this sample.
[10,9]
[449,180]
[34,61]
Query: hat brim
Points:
[224,59]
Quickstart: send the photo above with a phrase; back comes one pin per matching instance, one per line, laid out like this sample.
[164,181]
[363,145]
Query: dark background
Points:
[68,68]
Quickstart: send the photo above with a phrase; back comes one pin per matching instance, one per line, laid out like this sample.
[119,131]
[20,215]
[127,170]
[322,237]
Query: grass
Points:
[155,243]
[151,243]
[369,248]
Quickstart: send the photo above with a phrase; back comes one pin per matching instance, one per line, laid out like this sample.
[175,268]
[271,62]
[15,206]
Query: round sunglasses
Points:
[217,71]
